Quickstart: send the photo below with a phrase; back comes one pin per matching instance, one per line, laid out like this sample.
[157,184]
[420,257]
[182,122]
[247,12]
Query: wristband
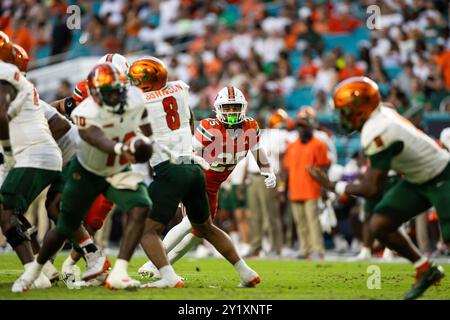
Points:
[339,188]
[6,146]
[118,148]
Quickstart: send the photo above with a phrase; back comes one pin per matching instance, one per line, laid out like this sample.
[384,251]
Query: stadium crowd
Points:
[282,55]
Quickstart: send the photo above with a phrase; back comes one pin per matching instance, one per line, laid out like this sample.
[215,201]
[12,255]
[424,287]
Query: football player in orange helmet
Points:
[149,74]
[107,122]
[172,124]
[393,143]
[278,119]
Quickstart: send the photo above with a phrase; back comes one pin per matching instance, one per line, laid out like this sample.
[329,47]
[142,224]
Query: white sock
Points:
[241,267]
[32,271]
[183,247]
[168,273]
[176,234]
[120,266]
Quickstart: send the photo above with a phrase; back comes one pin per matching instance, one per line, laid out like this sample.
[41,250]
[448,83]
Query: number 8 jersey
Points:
[169,115]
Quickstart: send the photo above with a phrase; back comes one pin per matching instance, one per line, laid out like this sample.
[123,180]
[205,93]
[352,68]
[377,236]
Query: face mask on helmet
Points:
[107,86]
[114,98]
[232,113]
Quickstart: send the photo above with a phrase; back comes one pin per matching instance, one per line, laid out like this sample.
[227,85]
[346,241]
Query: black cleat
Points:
[432,275]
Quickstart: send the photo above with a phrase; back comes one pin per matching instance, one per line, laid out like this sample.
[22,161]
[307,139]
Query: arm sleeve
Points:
[255,135]
[382,160]
[202,135]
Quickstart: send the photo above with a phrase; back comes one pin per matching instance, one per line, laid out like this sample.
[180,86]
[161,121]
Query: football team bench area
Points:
[213,279]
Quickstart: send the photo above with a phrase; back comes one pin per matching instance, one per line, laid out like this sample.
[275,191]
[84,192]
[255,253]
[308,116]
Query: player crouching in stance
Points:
[222,142]
[184,181]
[392,142]
[111,114]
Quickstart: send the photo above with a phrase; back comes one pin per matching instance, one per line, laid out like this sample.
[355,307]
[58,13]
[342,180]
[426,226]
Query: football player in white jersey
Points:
[107,123]
[392,142]
[172,125]
[66,136]
[32,159]
[222,142]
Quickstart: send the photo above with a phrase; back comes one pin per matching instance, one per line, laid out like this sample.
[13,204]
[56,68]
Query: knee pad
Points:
[16,235]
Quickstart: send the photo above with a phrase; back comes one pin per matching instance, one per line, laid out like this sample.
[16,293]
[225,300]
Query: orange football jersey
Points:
[223,147]
[80,92]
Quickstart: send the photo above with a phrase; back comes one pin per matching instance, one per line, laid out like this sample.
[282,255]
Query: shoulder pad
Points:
[11,74]
[86,114]
[208,123]
[181,83]
[379,132]
[80,92]
[135,98]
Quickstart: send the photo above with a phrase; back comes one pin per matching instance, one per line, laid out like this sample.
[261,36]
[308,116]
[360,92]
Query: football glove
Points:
[270,181]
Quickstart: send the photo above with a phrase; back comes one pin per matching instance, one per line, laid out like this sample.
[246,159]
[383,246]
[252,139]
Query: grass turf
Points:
[216,279]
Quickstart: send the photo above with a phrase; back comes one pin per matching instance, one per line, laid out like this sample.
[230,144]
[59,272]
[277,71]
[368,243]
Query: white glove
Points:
[270,180]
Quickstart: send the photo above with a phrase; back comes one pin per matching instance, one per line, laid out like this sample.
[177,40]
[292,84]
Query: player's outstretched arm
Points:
[370,186]
[96,137]
[64,106]
[264,166]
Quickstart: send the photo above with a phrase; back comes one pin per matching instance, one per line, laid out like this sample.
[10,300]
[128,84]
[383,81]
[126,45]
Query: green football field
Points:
[216,279]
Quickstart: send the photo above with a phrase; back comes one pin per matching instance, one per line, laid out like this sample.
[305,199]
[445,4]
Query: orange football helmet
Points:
[290,124]
[278,119]
[108,87]
[356,98]
[6,48]
[307,116]
[21,58]
[148,74]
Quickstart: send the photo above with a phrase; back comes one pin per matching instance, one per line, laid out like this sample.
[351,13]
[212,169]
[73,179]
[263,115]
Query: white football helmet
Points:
[117,59]
[230,95]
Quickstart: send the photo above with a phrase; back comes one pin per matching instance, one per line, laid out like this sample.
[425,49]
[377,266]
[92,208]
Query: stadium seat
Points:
[300,97]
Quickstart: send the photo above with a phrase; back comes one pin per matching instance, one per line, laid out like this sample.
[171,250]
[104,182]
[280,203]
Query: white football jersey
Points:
[116,127]
[421,158]
[169,115]
[68,142]
[32,142]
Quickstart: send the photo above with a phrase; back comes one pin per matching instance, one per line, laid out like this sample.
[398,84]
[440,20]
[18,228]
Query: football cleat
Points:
[165,283]
[50,272]
[148,270]
[21,285]
[97,265]
[364,255]
[250,280]
[433,275]
[121,281]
